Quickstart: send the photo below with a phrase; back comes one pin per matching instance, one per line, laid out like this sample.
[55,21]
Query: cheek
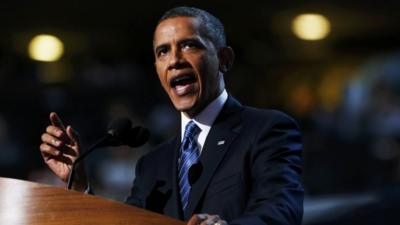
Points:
[163,82]
[161,75]
[210,70]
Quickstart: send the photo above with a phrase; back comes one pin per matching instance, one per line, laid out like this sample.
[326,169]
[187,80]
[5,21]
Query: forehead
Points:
[176,28]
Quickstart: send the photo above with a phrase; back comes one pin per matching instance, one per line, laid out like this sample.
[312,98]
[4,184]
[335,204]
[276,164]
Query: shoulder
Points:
[272,133]
[266,117]
[257,116]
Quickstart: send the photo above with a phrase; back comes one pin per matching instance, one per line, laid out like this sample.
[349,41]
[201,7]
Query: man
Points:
[230,163]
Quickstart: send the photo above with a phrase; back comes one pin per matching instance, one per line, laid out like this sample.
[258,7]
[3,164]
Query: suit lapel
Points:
[176,205]
[221,135]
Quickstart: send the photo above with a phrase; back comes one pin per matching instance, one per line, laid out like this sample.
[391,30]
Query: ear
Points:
[226,58]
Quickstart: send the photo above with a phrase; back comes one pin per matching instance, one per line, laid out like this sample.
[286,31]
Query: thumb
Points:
[73,135]
[194,220]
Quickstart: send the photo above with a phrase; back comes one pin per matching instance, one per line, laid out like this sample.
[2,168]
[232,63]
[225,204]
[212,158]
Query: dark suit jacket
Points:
[249,171]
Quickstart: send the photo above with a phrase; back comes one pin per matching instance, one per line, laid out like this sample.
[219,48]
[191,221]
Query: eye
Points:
[162,51]
[190,44]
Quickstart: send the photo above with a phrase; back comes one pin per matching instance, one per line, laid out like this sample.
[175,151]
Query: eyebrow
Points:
[194,39]
[161,47]
[166,45]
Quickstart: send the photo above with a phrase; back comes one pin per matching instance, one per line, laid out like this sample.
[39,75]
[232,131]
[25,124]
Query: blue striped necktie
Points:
[189,155]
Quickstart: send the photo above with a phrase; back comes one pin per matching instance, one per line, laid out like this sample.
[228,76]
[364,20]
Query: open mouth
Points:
[183,85]
[182,80]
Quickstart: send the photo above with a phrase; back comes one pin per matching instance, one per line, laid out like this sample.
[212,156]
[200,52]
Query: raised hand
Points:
[60,147]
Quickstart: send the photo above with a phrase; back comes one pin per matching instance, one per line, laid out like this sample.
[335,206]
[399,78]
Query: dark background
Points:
[344,91]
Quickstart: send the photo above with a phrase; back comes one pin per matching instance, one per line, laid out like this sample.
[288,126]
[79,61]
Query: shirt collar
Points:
[206,118]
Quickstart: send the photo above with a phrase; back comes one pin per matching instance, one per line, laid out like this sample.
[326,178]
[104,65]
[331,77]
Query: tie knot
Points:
[191,129]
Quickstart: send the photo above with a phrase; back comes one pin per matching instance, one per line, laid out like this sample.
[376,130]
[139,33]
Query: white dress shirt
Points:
[205,119]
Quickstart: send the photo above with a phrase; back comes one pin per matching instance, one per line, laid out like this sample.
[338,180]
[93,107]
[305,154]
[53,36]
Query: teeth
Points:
[182,80]
[179,88]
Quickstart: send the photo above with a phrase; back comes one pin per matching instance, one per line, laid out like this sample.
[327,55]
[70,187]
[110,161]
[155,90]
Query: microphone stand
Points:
[116,136]
[99,143]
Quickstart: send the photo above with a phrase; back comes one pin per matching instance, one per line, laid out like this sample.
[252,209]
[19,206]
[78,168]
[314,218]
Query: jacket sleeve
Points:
[138,193]
[276,193]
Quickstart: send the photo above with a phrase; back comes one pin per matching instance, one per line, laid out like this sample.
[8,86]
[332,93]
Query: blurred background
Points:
[332,65]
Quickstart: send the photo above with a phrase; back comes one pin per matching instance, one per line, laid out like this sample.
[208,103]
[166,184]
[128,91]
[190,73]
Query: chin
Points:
[184,106]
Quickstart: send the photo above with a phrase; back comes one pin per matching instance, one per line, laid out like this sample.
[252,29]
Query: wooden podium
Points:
[23,203]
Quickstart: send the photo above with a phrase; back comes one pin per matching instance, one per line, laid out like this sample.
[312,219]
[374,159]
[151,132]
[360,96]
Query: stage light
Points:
[311,27]
[47,48]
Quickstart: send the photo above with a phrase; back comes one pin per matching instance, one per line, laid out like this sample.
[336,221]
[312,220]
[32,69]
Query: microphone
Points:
[120,132]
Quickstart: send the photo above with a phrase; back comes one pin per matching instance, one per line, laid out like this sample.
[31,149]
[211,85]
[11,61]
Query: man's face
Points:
[187,64]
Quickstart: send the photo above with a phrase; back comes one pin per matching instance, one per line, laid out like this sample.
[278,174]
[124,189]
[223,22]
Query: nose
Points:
[177,60]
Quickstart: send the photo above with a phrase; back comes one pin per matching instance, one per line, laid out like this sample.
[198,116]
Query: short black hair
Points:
[211,26]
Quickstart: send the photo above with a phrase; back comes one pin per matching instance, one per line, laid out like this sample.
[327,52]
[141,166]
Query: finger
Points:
[57,158]
[202,216]
[202,219]
[222,222]
[63,136]
[56,121]
[51,140]
[59,145]
[48,150]
[210,220]
[63,159]
[194,220]
[217,222]
[57,132]
[53,147]
[48,153]
[72,134]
